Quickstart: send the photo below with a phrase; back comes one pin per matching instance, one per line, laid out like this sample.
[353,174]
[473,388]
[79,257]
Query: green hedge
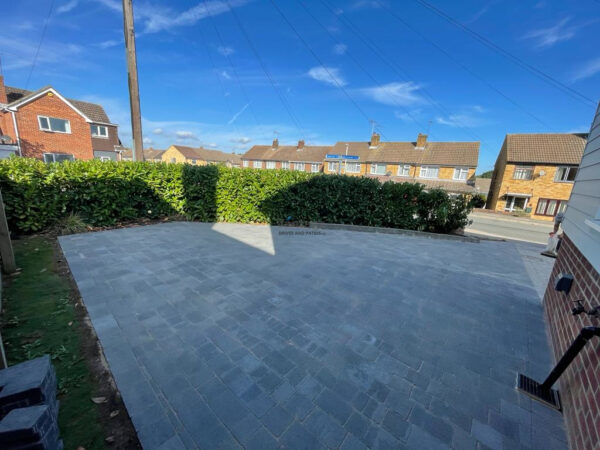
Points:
[37,195]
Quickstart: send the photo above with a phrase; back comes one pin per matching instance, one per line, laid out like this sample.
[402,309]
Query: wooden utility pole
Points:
[134,90]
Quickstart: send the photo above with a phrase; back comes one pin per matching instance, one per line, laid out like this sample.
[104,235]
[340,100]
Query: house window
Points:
[173,160]
[550,207]
[245,163]
[285,165]
[58,157]
[299,166]
[314,168]
[429,172]
[193,161]
[404,170]
[378,169]
[105,158]
[332,166]
[516,203]
[270,164]
[352,167]
[565,174]
[99,131]
[523,173]
[53,124]
[258,164]
[460,173]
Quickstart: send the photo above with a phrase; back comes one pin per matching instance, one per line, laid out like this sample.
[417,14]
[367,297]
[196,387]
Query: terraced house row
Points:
[447,165]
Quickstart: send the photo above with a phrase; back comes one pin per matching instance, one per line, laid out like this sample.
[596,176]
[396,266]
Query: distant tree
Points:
[487,174]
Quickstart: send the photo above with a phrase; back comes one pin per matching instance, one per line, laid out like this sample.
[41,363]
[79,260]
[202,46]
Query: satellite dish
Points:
[542,173]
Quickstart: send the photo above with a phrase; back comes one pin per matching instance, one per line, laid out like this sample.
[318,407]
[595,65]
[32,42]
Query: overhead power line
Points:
[515,59]
[463,66]
[282,98]
[332,77]
[37,51]
[357,62]
[231,64]
[400,72]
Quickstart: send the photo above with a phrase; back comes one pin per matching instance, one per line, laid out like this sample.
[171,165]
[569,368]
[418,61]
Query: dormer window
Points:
[99,131]
[54,125]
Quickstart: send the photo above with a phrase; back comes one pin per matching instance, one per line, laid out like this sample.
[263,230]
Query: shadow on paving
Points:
[241,335]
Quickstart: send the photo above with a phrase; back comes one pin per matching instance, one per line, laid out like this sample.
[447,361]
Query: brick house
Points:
[447,165]
[150,155]
[534,173]
[199,156]
[579,255]
[304,158]
[45,125]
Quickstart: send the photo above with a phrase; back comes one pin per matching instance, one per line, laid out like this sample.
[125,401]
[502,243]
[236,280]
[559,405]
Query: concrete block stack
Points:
[28,406]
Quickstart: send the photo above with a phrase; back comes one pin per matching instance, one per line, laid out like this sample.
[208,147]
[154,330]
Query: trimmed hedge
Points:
[37,195]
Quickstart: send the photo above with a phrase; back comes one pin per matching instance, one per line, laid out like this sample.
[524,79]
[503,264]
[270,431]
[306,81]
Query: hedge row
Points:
[36,195]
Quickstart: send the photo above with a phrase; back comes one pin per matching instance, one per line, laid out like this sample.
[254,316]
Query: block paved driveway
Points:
[230,336]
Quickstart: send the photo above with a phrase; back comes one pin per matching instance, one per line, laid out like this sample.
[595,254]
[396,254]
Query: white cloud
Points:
[408,116]
[340,49]
[115,5]
[20,51]
[396,93]
[157,131]
[226,75]
[66,7]
[238,114]
[185,135]
[547,37]
[148,141]
[587,70]
[109,43]
[225,50]
[470,117]
[327,75]
[241,140]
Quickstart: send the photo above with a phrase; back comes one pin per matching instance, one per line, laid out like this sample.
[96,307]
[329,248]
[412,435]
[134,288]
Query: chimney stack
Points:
[275,143]
[3,97]
[421,140]
[374,140]
[301,144]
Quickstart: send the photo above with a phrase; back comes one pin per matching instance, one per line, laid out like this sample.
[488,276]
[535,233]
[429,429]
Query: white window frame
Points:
[105,158]
[193,161]
[54,154]
[424,172]
[375,166]
[352,167]
[285,165]
[332,166]
[401,169]
[314,167]
[300,167]
[459,172]
[49,129]
[520,171]
[257,164]
[567,170]
[271,165]
[245,163]
[99,127]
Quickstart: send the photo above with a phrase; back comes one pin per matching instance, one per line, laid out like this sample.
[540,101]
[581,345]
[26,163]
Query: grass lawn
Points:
[40,318]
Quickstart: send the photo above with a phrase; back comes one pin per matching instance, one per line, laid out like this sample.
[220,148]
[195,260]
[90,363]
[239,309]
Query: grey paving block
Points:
[276,420]
[327,429]
[420,439]
[261,440]
[332,404]
[297,437]
[486,435]
[395,424]
[299,406]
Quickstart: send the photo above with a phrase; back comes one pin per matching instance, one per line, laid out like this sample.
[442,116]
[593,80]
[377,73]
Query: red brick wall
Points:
[580,384]
[35,142]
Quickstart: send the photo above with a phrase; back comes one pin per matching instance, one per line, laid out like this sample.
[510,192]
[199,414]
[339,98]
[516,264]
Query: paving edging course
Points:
[369,229]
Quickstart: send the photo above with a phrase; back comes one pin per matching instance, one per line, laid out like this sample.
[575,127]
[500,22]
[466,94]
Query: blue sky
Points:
[228,74]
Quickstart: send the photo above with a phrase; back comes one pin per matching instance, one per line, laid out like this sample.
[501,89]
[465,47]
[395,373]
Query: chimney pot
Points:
[421,140]
[300,144]
[275,143]
[374,140]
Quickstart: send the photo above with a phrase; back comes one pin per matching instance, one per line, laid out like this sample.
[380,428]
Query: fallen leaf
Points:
[98,400]
[70,323]
[114,413]
[109,439]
